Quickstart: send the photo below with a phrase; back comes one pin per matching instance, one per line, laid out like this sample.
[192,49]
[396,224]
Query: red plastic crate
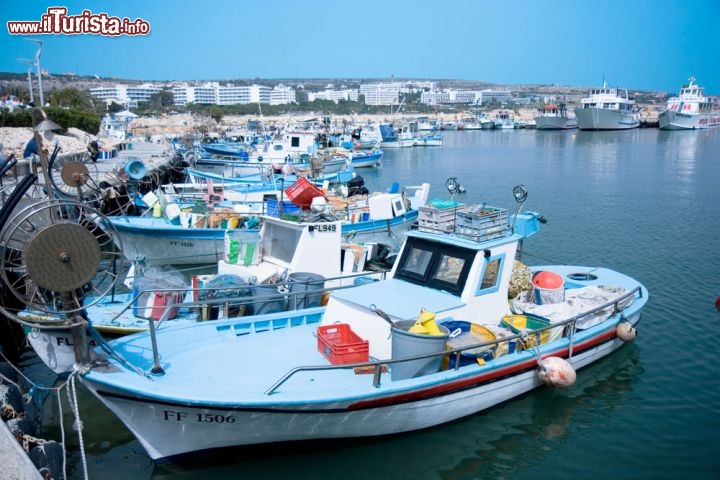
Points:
[339,344]
[302,192]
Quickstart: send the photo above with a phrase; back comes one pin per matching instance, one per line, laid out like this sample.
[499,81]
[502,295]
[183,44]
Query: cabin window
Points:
[295,142]
[435,265]
[449,269]
[418,261]
[491,274]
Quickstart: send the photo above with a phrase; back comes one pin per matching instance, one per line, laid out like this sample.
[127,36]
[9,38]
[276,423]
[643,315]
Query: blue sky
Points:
[636,44]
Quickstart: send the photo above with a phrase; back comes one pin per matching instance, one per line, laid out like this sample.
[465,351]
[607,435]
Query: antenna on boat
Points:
[520,193]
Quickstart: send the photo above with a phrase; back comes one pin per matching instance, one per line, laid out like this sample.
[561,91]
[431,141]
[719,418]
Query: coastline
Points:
[157,128]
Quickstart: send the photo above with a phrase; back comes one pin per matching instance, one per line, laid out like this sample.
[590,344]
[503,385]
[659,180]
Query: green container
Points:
[526,322]
[200,206]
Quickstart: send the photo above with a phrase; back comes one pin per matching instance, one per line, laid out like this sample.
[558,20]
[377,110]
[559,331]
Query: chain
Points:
[26,440]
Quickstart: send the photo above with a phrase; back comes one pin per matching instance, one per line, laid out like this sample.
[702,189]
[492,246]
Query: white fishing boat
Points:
[273,271]
[554,117]
[485,122]
[434,342]
[429,140]
[424,124]
[691,109]
[470,123]
[197,237]
[449,125]
[504,120]
[392,137]
[607,108]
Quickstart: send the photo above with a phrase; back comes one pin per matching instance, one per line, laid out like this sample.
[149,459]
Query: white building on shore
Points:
[212,93]
[127,95]
[282,95]
[346,94]
[470,97]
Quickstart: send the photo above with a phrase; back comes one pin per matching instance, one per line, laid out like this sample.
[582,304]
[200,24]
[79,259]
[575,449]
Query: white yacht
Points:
[607,108]
[690,110]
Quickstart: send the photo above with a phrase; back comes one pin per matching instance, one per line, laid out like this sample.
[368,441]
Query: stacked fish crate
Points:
[481,223]
[476,222]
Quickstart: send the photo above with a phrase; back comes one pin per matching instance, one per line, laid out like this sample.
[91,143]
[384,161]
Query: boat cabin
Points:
[287,246]
[456,276]
[553,111]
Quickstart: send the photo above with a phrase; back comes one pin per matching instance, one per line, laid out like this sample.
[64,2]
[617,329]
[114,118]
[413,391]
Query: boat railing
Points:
[283,288]
[378,366]
[300,297]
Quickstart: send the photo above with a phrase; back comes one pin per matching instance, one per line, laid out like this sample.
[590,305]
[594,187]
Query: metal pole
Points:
[38,54]
[31,63]
[30,86]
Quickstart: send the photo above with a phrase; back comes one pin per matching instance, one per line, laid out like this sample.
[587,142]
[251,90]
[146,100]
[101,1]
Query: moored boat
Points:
[504,120]
[373,361]
[689,110]
[365,159]
[273,271]
[197,238]
[429,140]
[396,138]
[485,122]
[607,108]
[554,117]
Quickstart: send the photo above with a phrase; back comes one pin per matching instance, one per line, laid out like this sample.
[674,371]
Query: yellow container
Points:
[419,328]
[427,320]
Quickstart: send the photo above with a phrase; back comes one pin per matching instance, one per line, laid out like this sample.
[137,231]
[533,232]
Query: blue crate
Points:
[272,210]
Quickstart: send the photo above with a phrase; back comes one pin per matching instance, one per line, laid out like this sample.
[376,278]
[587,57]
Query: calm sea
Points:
[644,202]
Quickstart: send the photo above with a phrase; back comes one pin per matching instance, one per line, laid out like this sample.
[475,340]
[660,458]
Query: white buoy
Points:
[625,331]
[556,372]
[318,204]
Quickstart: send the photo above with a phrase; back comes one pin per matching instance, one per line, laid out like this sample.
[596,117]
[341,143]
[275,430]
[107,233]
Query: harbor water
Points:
[644,202]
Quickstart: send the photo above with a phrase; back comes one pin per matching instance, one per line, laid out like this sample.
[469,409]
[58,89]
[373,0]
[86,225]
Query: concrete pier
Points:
[16,464]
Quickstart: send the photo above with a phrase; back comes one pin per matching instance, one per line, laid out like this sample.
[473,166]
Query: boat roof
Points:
[385,296]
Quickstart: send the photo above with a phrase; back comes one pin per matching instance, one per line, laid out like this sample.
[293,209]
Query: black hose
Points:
[9,163]
[14,198]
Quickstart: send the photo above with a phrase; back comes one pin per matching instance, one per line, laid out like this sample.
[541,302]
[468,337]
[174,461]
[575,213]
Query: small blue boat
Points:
[369,159]
[380,217]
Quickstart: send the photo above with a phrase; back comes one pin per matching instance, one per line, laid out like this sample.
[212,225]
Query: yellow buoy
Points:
[418,328]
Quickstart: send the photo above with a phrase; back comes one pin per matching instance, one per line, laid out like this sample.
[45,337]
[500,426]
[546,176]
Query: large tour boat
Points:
[690,110]
[607,108]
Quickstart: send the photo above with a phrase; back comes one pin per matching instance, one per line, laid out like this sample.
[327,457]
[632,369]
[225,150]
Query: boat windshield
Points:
[435,265]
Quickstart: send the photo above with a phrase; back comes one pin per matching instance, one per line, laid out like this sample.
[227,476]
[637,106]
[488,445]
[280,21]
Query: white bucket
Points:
[549,287]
